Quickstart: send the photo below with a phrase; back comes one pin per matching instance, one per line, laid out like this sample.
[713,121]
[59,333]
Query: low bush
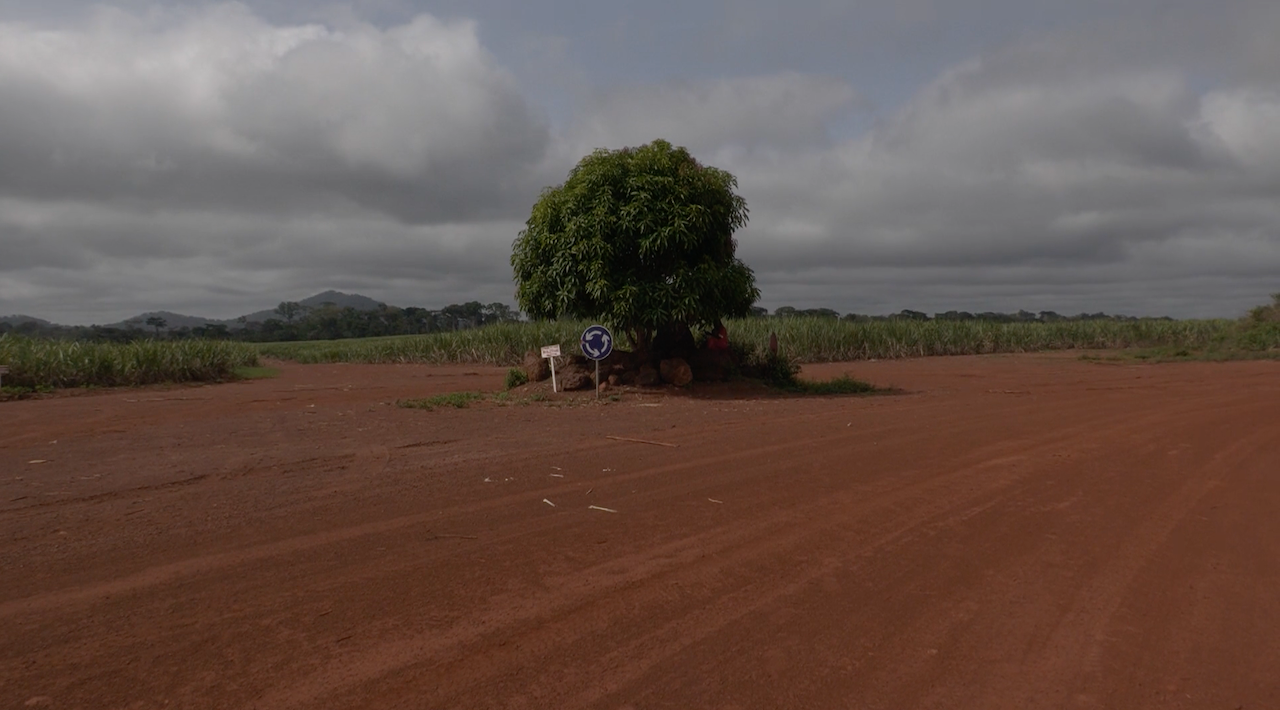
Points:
[515,378]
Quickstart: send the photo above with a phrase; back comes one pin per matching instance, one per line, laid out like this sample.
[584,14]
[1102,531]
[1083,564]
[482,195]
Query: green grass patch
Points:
[1167,354]
[843,384]
[462,400]
[256,373]
[458,400]
[8,392]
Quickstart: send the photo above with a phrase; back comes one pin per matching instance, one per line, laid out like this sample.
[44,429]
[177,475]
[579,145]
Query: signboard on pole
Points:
[597,343]
[551,352]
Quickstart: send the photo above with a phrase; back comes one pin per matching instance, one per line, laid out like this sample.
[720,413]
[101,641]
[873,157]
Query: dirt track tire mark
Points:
[210,563]
[1073,650]
[698,586]
[908,511]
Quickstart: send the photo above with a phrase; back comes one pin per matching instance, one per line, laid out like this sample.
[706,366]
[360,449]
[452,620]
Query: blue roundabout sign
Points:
[597,342]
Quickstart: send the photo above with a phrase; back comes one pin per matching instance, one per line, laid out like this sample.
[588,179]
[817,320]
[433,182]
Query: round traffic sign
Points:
[597,342]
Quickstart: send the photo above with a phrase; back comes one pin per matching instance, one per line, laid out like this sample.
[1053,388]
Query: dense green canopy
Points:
[638,238]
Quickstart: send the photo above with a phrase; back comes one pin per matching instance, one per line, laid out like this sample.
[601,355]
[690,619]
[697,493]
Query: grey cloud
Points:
[221,265]
[784,111]
[201,158]
[1018,160]
[1080,156]
[218,108]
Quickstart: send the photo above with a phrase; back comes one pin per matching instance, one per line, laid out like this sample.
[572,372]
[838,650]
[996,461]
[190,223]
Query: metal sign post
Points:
[551,352]
[597,344]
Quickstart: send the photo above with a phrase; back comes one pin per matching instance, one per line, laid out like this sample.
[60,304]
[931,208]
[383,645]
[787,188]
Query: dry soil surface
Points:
[1009,532]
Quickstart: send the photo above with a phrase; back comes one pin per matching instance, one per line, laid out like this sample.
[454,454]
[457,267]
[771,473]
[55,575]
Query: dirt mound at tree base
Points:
[626,368]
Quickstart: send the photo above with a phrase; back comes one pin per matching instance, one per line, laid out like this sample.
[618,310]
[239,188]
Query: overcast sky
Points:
[216,158]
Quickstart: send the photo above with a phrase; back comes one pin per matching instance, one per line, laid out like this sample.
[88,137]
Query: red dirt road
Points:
[1012,532]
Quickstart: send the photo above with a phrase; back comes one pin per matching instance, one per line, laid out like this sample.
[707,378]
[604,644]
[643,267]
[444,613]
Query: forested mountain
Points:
[18,319]
[328,315]
[337,298]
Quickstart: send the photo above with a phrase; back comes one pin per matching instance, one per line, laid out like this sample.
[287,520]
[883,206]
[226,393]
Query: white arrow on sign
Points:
[604,345]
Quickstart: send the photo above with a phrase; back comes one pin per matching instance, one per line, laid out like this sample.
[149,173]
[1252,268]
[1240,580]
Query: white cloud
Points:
[1247,123]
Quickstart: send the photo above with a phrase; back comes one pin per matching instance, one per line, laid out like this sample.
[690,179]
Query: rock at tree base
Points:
[618,361]
[675,371]
[575,377]
[648,377]
[536,367]
[711,365]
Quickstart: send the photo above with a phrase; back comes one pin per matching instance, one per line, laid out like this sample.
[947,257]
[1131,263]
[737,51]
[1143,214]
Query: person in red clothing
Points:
[718,338]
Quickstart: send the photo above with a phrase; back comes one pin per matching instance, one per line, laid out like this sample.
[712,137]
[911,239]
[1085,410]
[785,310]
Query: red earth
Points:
[1006,532]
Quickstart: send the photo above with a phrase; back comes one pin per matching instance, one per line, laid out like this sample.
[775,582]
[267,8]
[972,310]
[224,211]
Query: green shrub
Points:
[1269,313]
[1260,336]
[777,370]
[515,378]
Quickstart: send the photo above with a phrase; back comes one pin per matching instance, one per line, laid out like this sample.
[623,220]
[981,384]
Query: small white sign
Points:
[550,351]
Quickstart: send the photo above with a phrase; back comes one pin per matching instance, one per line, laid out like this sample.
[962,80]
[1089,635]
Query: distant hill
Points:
[179,320]
[337,298]
[172,321]
[17,320]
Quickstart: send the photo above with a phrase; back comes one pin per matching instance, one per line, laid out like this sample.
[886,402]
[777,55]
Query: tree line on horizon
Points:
[1021,316]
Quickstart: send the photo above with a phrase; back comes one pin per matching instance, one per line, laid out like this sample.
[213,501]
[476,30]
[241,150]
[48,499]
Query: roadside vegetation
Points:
[38,365]
[1254,337]
[44,364]
[803,339]
[497,344]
